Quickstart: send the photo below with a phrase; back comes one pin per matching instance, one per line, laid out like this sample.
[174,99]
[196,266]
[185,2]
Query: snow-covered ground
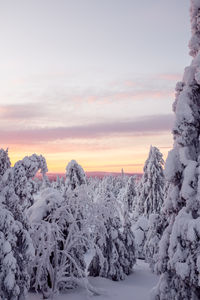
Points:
[137,286]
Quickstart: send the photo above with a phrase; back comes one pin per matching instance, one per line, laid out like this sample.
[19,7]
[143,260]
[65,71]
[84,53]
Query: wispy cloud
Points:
[170,76]
[21,111]
[121,165]
[146,125]
[133,95]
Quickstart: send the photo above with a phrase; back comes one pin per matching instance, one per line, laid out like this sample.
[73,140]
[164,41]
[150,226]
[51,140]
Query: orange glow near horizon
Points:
[128,153]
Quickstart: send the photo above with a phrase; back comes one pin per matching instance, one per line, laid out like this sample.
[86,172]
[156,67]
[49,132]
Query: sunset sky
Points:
[91,80]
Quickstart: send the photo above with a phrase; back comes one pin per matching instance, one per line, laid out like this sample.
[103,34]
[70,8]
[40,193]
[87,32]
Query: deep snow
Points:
[136,286]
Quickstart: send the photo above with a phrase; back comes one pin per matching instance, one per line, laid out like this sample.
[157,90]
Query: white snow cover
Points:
[140,229]
[47,200]
[172,165]
[187,189]
[183,109]
[136,286]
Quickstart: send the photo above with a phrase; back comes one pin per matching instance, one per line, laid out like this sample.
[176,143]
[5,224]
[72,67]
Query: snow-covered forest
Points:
[54,235]
[87,233]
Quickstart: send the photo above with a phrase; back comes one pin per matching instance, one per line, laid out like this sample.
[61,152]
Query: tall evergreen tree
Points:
[150,198]
[179,249]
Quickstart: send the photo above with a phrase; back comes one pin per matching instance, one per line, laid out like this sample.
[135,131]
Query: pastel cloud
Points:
[21,111]
[121,165]
[46,106]
[146,125]
[127,95]
[170,76]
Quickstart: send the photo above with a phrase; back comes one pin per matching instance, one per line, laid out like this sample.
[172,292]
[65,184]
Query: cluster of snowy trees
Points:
[54,234]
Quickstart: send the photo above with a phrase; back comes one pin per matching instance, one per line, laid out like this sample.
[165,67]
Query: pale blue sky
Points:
[80,62]
[98,38]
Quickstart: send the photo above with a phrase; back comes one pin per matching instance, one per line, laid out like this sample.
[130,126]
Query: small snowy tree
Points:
[130,194]
[45,182]
[179,248]
[4,161]
[22,176]
[75,175]
[58,184]
[128,238]
[150,197]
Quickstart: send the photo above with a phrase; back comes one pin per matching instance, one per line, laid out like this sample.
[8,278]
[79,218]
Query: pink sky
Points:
[90,80]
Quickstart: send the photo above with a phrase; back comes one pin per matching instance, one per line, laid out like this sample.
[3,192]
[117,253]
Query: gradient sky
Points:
[91,80]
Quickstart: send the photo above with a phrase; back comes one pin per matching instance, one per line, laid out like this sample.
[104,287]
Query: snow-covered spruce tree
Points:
[16,245]
[4,161]
[179,249]
[22,176]
[153,236]
[16,251]
[130,194]
[74,187]
[114,243]
[75,175]
[150,194]
[150,197]
[129,256]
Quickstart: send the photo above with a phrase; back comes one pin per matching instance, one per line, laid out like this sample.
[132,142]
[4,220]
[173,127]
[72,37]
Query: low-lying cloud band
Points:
[145,125]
